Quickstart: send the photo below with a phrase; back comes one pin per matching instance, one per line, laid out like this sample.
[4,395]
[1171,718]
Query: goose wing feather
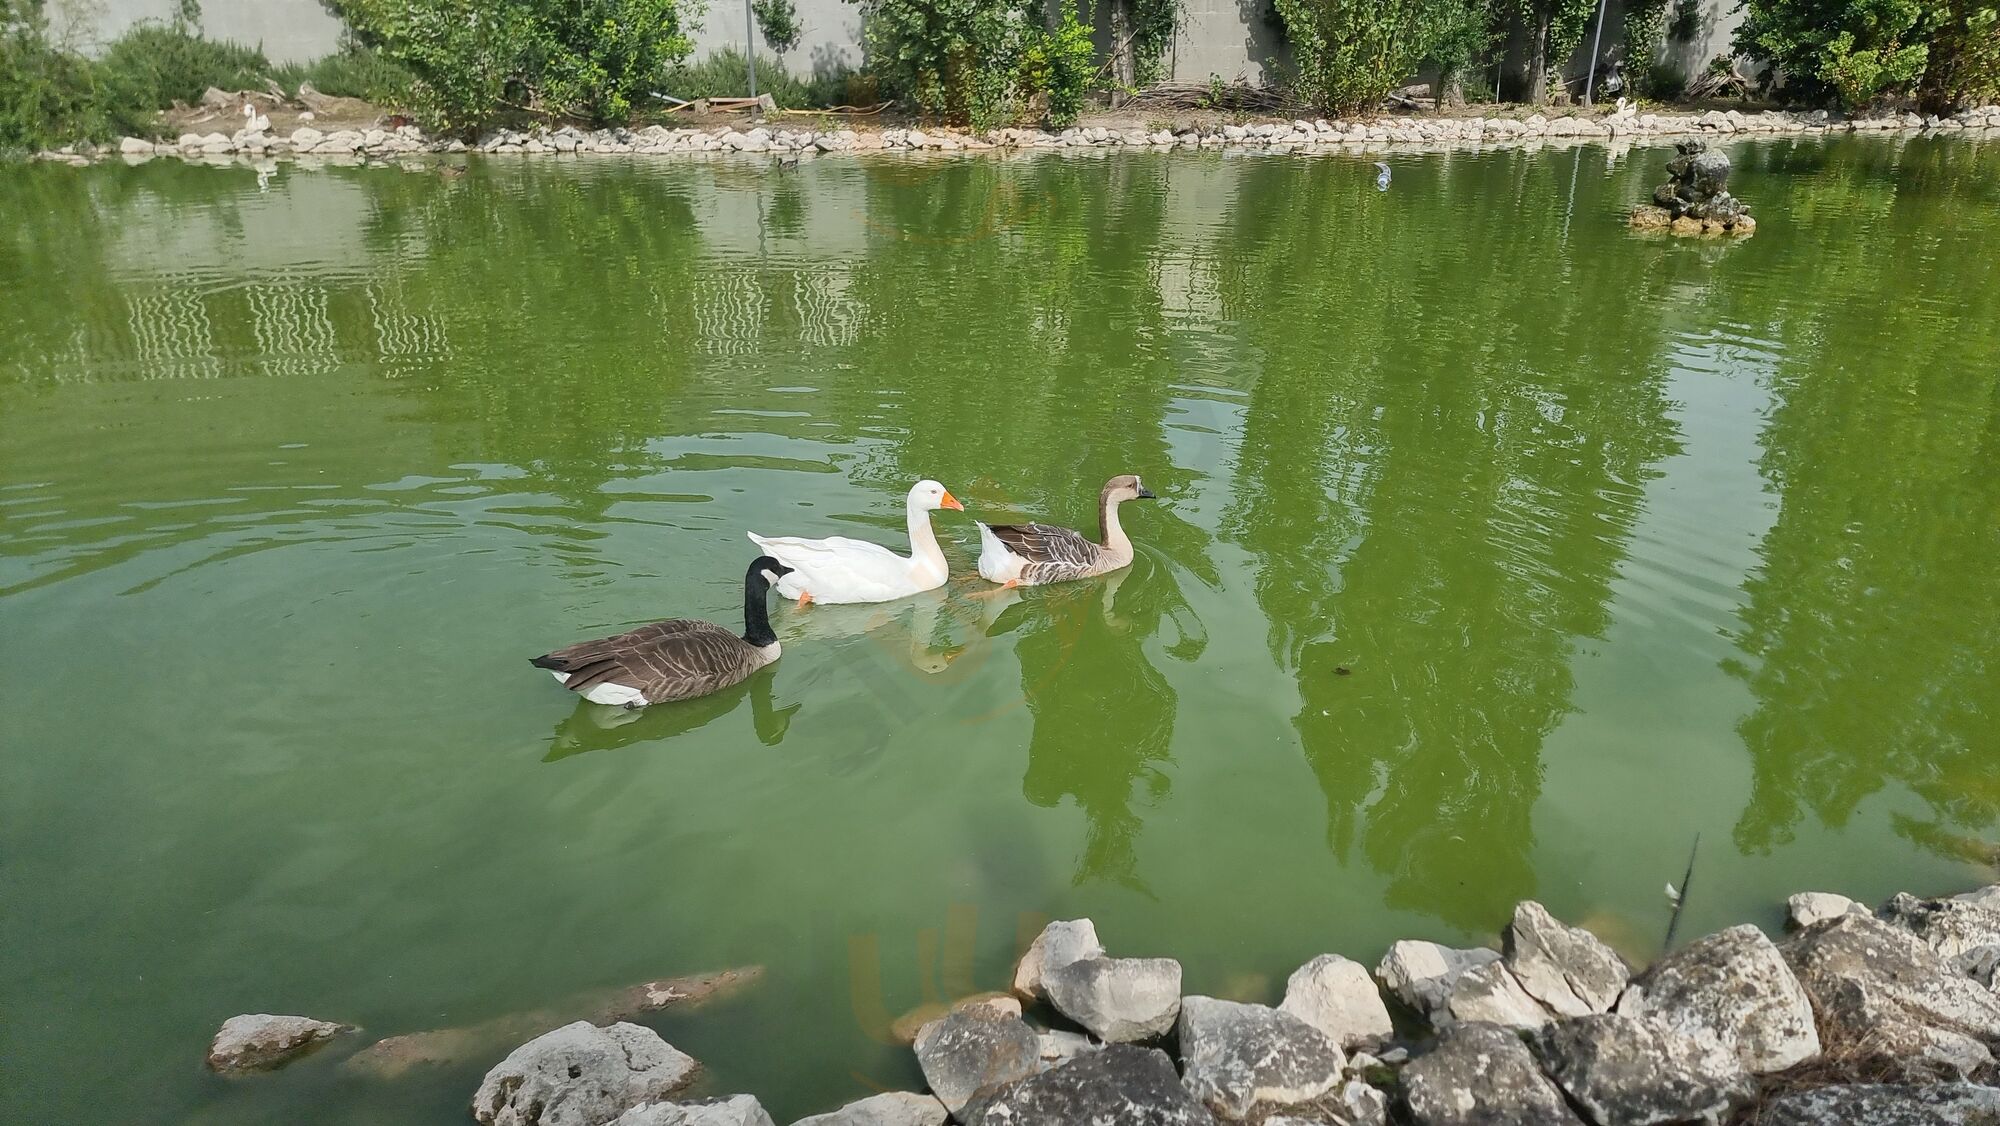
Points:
[1046,543]
[670,660]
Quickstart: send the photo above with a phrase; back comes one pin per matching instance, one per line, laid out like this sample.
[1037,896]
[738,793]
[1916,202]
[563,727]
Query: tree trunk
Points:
[1451,88]
[1123,61]
[1538,61]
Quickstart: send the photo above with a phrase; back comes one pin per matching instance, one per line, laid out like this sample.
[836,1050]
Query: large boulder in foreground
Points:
[1959,930]
[1869,1104]
[1734,988]
[972,1049]
[1879,991]
[262,1041]
[1565,968]
[895,1108]
[582,1075]
[1482,1075]
[1060,943]
[1123,1084]
[736,1110]
[1338,997]
[1491,994]
[1422,974]
[1624,1071]
[1120,1000]
[1236,1057]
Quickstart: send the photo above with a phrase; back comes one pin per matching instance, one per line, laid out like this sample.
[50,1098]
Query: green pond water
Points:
[1619,540]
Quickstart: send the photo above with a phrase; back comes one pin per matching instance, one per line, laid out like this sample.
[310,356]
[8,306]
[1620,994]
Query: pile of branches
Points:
[1719,81]
[1211,95]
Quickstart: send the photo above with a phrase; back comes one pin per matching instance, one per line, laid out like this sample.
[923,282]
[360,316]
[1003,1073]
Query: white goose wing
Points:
[838,569]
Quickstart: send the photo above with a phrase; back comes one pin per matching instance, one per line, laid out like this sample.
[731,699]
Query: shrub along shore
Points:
[786,143]
[1857,1018]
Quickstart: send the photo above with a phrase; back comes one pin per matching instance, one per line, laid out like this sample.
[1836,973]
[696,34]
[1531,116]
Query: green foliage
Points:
[1462,34]
[354,71]
[1349,53]
[1964,65]
[157,65]
[1857,51]
[1555,31]
[977,61]
[1059,63]
[1645,26]
[726,74]
[1153,23]
[779,21]
[471,60]
[50,96]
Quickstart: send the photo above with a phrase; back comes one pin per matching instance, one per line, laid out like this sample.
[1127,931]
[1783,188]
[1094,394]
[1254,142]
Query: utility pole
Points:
[750,48]
[1589,83]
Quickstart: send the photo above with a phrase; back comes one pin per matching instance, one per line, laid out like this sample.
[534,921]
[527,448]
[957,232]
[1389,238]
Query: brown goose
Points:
[1033,554]
[672,660]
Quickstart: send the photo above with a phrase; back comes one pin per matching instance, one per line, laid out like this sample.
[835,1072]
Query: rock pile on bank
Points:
[1294,136]
[1859,1018]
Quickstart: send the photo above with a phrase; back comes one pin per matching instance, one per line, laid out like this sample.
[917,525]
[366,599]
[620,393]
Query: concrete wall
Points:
[289,30]
[830,40]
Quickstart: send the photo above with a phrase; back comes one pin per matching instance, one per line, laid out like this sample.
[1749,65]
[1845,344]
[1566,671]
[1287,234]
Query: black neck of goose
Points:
[756,616]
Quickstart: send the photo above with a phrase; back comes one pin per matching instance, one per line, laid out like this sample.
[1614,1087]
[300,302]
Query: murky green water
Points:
[1622,541]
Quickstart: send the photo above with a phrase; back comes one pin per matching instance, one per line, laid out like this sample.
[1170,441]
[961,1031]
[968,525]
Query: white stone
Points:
[1336,996]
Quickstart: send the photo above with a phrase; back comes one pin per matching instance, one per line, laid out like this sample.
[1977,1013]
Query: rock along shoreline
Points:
[1289,136]
[1858,1018]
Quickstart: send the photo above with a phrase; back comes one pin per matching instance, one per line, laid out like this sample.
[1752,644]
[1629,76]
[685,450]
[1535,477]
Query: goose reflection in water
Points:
[1103,714]
[603,727]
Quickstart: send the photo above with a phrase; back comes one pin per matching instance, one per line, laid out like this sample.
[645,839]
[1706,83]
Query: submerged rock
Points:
[736,1110]
[1564,968]
[1482,1075]
[1236,1057]
[582,1075]
[1336,996]
[1735,989]
[1879,991]
[1123,1084]
[896,1108]
[1118,999]
[1422,974]
[972,1049]
[261,1041]
[1809,907]
[1624,1071]
[1869,1104]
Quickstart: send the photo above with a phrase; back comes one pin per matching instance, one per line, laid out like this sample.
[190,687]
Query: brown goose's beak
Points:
[951,502]
[1146,493]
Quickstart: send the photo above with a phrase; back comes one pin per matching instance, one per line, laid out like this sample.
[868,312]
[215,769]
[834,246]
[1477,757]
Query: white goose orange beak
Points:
[951,502]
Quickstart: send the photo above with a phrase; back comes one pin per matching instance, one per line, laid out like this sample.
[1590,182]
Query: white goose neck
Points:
[923,540]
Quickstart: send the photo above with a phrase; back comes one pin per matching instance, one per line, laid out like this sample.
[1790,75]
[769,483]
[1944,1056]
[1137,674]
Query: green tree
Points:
[1349,53]
[1858,51]
[1555,29]
[472,60]
[1964,64]
[978,60]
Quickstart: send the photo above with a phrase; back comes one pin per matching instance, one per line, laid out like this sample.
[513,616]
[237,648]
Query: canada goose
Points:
[672,660]
[1034,554]
[838,569]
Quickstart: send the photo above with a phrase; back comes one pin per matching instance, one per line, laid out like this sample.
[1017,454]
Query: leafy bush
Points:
[1645,25]
[779,21]
[978,60]
[1555,31]
[1349,53]
[49,96]
[156,65]
[725,74]
[353,71]
[1059,64]
[1461,34]
[1964,64]
[1856,50]
[470,60]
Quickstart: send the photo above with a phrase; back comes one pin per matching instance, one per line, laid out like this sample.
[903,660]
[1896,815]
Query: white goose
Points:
[254,122]
[838,569]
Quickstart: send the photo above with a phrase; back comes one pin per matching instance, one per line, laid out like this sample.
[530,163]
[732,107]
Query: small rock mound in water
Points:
[261,1041]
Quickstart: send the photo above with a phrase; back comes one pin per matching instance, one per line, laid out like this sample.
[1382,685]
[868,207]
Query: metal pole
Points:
[750,48]
[1597,40]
